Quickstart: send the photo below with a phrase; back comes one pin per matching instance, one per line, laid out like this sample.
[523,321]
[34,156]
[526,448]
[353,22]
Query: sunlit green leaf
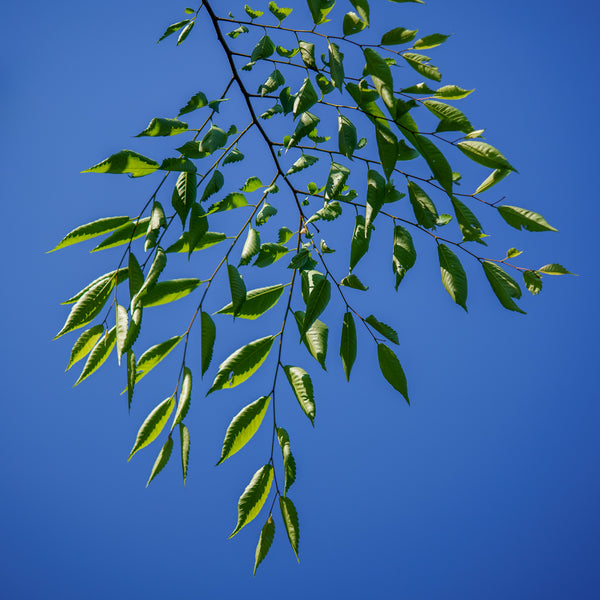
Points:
[99,354]
[185,397]
[352,281]
[522,218]
[155,355]
[214,185]
[85,342]
[237,289]
[302,387]
[424,209]
[153,425]
[254,496]
[398,35]
[196,101]
[503,285]
[208,335]
[303,162]
[484,154]
[163,127]
[315,339]
[184,195]
[162,459]
[290,520]
[169,291]
[270,253]
[263,49]
[430,41]
[289,464]
[124,234]
[533,281]
[125,161]
[184,436]
[264,542]
[91,230]
[317,302]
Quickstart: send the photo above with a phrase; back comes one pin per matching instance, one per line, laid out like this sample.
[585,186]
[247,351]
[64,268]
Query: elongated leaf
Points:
[315,339]
[86,341]
[387,147]
[184,436]
[330,211]
[424,209]
[88,306]
[154,355]
[289,464]
[196,101]
[252,184]
[208,335]
[317,302]
[130,377]
[156,268]
[495,176]
[121,275]
[421,65]
[231,201]
[270,253]
[243,363]
[404,253]
[153,425]
[303,162]
[352,281]
[168,291]
[267,534]
[452,118]
[522,218]
[263,49]
[392,370]
[280,14]
[122,327]
[336,66]
[183,406]
[348,343]
[302,387]
[375,197]
[184,195]
[454,277]
[135,325]
[136,275]
[383,329]
[237,288]
[306,124]
[398,35]
[125,161]
[452,92]
[210,238]
[99,354]
[360,241]
[214,185]
[307,53]
[319,9]
[347,137]
[173,28]
[305,98]
[257,303]
[161,460]
[254,496]
[243,426]
[381,76]
[430,41]
[484,154]
[503,285]
[436,160]
[91,230]
[290,520]
[163,127]
[198,227]
[468,222]
[251,246]
[554,269]
[185,32]
[124,234]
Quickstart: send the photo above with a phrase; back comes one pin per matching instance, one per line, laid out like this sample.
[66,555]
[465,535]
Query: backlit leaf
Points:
[289,464]
[208,335]
[155,355]
[264,542]
[99,354]
[254,496]
[122,327]
[185,396]
[484,154]
[85,342]
[404,253]
[251,246]
[169,291]
[91,230]
[152,425]
[184,436]
[302,387]
[522,218]
[196,101]
[184,195]
[125,161]
[503,285]
[124,234]
[162,459]
[163,127]
[290,520]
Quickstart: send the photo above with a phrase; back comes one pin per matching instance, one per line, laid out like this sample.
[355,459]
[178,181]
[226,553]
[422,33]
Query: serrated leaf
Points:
[122,327]
[454,277]
[352,281]
[302,387]
[305,98]
[404,253]
[290,520]
[450,117]
[135,325]
[376,188]
[163,127]
[270,253]
[243,363]
[254,496]
[88,306]
[156,268]
[124,234]
[436,160]
[85,342]
[336,66]
[237,289]
[303,162]
[503,285]
[243,426]
[280,14]
[284,235]
[125,161]
[289,464]
[198,227]
[315,339]
[533,281]
[91,230]
[348,343]
[421,65]
[184,195]
[173,28]
[360,241]
[253,14]
[521,218]
[424,209]
[387,147]
[468,222]
[274,110]
[161,460]
[381,76]
[210,238]
[263,49]
[152,425]
[338,174]
[251,246]
[196,101]
[287,53]
[121,275]
[231,201]
[154,355]
[329,212]
[451,92]
[484,154]
[184,436]
[554,269]
[346,136]
[99,354]
[306,124]
[383,329]
[319,9]
[175,164]
[214,185]
[185,397]
[265,213]
[157,221]
[208,335]
[264,542]
[130,377]
[169,291]
[398,35]
[317,302]
[252,184]
[275,80]
[392,370]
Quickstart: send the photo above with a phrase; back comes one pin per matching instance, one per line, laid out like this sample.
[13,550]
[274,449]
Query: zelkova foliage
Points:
[335,118]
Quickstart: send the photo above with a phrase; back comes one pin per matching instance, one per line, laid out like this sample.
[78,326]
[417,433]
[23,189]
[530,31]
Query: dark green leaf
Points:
[522,218]
[196,101]
[307,53]
[360,241]
[451,118]
[251,246]
[303,162]
[183,406]
[421,65]
[348,343]
[305,98]
[383,329]
[503,285]
[317,302]
[352,281]
[436,160]
[346,136]
[274,80]
[237,288]
[161,460]
[392,369]
[210,238]
[315,339]
[424,209]
[263,49]
[302,387]
[290,520]
[214,185]
[454,277]
[405,255]
[264,542]
[184,195]
[269,253]
[533,281]
[468,222]
[233,200]
[336,66]
[208,335]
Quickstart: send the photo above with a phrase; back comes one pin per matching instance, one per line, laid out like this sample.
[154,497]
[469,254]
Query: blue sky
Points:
[486,486]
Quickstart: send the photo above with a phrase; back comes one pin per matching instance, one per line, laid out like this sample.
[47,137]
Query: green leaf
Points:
[126,161]
[352,24]
[122,326]
[266,212]
[302,387]
[154,355]
[91,230]
[336,66]
[533,281]
[210,238]
[270,253]
[404,254]
[317,301]
[387,146]
[185,397]
[153,425]
[237,288]
[554,269]
[158,264]
[303,162]
[452,92]
[184,436]
[436,160]
[213,139]
[185,32]
[88,306]
[424,209]
[329,212]
[124,234]
[231,201]
[381,76]
[305,98]
[421,65]
[319,9]
[253,14]
[375,197]
[348,343]
[307,53]
[495,176]
[406,152]
[383,329]
[468,222]
[184,195]
[360,241]
[287,53]
[392,370]
[315,339]
[419,88]
[157,221]
[430,41]
[302,260]
[347,137]
[173,28]
[196,101]
[522,218]
[284,235]
[243,363]
[513,253]
[99,354]
[243,426]
[208,335]
[338,174]
[85,342]
[450,117]
[169,291]
[324,84]
[198,227]
[454,277]
[275,80]
[274,110]
[264,542]
[251,246]
[352,281]
[252,184]
[362,8]
[263,49]
[238,31]
[306,124]
[214,185]
[254,496]
[290,520]
[162,459]
[280,14]
[503,285]
[398,35]
[163,127]
[289,464]
[130,377]
[484,154]
[121,275]
[136,275]
[135,325]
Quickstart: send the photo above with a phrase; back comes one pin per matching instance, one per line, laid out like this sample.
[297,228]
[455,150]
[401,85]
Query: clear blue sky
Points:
[486,487]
